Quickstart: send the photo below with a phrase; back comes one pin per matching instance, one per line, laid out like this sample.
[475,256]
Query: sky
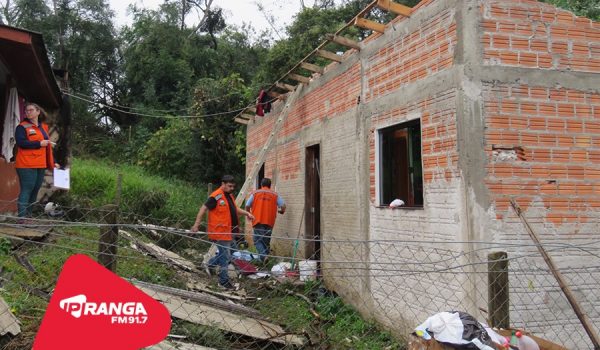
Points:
[236,12]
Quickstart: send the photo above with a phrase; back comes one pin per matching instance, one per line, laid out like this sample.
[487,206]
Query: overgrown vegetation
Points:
[94,184]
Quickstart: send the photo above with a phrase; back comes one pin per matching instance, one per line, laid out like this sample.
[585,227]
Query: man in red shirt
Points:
[263,205]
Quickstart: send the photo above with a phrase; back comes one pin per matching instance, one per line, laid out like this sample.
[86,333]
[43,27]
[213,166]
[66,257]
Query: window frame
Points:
[379,134]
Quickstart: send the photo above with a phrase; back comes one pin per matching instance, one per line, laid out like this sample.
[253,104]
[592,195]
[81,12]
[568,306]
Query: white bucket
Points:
[308,270]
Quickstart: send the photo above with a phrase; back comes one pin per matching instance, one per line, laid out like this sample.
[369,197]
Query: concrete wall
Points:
[484,77]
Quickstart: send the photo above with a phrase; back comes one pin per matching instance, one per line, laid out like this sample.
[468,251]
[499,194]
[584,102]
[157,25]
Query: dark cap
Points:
[228,179]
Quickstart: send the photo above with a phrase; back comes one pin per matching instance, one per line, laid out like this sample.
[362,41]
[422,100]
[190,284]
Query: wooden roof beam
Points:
[394,7]
[370,25]
[275,94]
[251,110]
[242,121]
[299,78]
[246,116]
[329,55]
[311,67]
[284,86]
[338,39]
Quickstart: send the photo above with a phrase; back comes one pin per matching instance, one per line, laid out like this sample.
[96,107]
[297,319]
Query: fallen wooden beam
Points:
[284,86]
[338,39]
[28,233]
[330,56]
[394,7]
[311,67]
[299,78]
[8,321]
[370,25]
[198,313]
[241,121]
[161,254]
[199,287]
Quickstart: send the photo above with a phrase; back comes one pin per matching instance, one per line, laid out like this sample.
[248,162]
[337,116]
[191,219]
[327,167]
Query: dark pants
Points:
[30,181]
[222,260]
[262,240]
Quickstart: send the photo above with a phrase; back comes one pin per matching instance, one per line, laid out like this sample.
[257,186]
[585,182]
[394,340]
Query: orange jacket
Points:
[219,219]
[35,158]
[264,207]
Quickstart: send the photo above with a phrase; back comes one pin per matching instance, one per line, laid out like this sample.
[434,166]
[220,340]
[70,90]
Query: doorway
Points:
[313,204]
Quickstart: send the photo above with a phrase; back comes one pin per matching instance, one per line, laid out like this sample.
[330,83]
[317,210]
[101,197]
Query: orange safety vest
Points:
[264,207]
[38,158]
[219,219]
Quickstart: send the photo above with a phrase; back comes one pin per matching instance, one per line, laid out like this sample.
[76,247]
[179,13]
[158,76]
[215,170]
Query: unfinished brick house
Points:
[455,110]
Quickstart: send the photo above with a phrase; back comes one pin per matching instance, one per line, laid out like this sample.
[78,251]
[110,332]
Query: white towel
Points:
[11,120]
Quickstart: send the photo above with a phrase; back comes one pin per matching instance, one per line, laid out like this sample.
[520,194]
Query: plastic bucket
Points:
[308,270]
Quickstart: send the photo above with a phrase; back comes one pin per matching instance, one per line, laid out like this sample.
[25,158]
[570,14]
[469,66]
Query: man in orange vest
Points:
[263,205]
[223,224]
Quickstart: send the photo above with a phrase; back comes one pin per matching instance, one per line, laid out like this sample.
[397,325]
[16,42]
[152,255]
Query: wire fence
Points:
[359,295]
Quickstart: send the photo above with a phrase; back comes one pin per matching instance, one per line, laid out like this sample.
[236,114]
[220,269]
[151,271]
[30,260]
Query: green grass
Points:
[93,184]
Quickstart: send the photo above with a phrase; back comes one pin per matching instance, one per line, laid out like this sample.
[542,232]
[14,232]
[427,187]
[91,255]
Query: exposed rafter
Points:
[329,55]
[275,94]
[394,7]
[284,86]
[311,67]
[338,39]
[370,25]
[299,78]
[242,121]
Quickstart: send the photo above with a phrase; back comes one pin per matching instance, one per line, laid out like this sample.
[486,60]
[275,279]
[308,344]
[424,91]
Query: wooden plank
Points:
[581,315]
[338,39]
[25,232]
[299,78]
[274,94]
[228,321]
[242,121]
[285,87]
[394,7]
[368,24]
[247,116]
[311,67]
[251,110]
[330,56]
[498,290]
[160,253]
[8,321]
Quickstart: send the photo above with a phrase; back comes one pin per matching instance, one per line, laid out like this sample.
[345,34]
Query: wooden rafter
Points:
[251,110]
[338,39]
[299,78]
[242,121]
[394,7]
[284,86]
[329,55]
[275,94]
[311,67]
[370,25]
[247,116]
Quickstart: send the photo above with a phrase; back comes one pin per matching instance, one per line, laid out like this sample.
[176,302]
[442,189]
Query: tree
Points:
[586,8]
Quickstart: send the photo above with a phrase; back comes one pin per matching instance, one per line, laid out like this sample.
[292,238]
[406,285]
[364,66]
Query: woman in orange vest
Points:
[223,223]
[34,156]
[263,205]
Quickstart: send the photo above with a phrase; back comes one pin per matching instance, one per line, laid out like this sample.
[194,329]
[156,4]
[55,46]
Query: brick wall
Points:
[559,132]
[537,35]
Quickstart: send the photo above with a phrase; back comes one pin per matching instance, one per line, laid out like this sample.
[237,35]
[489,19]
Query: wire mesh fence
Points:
[358,295]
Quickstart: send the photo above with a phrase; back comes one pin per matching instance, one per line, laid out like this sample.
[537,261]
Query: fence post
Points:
[498,296]
[109,235]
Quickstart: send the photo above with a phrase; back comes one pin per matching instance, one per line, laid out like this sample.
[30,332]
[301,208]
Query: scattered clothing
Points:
[459,329]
